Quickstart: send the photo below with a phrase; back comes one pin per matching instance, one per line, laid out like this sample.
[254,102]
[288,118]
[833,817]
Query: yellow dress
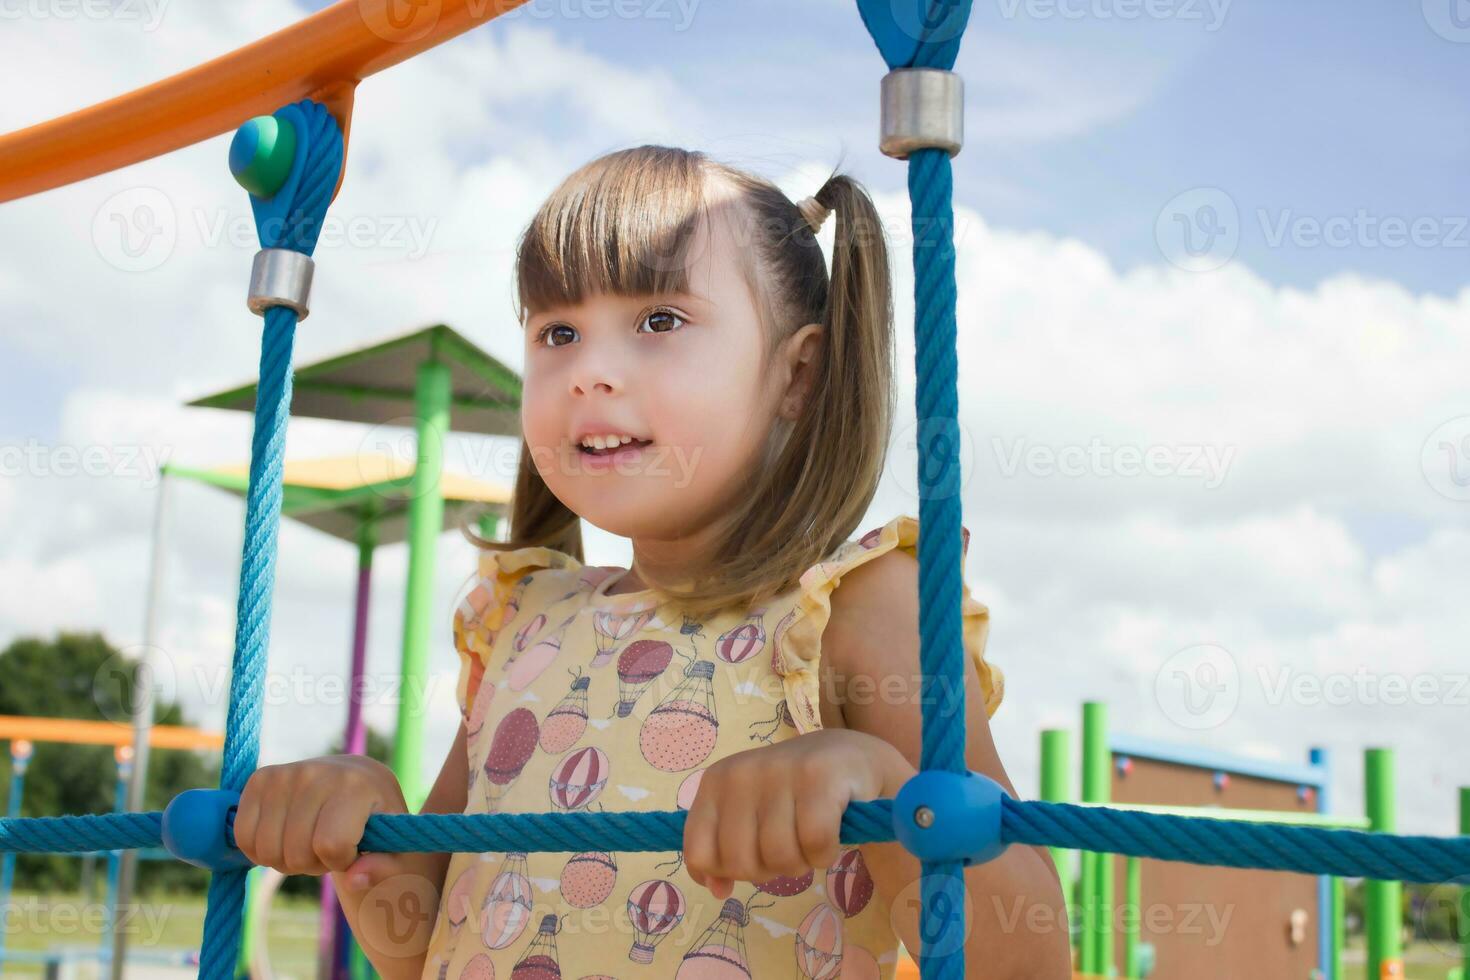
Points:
[579,700]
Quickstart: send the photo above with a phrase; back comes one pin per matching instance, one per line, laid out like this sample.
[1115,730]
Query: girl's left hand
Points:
[777,810]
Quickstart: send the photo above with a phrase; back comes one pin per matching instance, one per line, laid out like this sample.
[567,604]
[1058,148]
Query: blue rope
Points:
[935,44]
[1166,837]
[298,232]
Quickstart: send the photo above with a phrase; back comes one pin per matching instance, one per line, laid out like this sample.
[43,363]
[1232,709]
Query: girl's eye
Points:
[665,317]
[546,331]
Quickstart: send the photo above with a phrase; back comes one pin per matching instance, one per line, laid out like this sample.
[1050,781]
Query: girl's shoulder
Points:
[798,647]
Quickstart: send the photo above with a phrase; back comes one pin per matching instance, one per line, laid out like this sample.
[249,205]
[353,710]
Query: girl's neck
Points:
[669,562]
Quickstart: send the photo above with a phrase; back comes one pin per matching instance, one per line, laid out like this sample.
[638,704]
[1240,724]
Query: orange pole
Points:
[322,57]
[105,733]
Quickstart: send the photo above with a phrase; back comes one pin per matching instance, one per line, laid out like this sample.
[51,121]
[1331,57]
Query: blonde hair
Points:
[623,224]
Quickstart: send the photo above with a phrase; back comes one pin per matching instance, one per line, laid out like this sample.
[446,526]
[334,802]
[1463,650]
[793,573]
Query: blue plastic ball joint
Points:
[950,816]
[198,828]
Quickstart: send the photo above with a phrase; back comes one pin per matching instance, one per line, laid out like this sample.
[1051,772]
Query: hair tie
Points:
[814,211]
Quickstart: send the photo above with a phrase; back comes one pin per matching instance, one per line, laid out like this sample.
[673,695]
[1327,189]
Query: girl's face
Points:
[681,373]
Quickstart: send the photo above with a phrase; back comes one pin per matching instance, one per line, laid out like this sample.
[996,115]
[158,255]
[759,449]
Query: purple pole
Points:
[332,948]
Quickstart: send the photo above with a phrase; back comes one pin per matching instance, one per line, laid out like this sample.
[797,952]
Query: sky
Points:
[1212,317]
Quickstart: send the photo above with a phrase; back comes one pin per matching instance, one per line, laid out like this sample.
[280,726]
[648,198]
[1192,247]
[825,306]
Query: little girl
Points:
[694,382]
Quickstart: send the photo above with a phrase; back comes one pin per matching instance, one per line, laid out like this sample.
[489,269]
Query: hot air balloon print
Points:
[510,750]
[524,634]
[508,903]
[784,886]
[567,720]
[539,961]
[475,720]
[690,626]
[849,883]
[684,799]
[819,943]
[680,733]
[639,665]
[479,967]
[719,954]
[579,778]
[772,725]
[741,642]
[611,628]
[588,878]
[524,670]
[858,964]
[654,907]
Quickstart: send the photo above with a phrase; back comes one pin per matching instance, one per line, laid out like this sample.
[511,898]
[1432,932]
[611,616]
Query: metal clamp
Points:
[921,108]
[280,277]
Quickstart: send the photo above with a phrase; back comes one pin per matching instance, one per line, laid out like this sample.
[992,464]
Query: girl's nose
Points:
[596,374]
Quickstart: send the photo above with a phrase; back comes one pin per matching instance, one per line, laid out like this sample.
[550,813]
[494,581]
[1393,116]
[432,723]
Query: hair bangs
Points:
[623,224]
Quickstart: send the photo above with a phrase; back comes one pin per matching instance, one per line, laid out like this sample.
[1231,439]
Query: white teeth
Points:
[606,442]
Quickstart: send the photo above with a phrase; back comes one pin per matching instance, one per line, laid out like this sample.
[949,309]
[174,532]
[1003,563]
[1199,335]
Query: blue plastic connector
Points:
[198,827]
[950,816]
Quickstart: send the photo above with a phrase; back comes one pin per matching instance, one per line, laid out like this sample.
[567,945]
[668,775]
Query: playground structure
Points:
[1279,925]
[947,815]
[21,734]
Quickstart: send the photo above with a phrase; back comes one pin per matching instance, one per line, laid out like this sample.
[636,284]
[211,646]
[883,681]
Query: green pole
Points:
[1382,906]
[251,923]
[1097,788]
[425,519]
[1465,892]
[1132,968]
[1056,772]
[1339,927]
[489,525]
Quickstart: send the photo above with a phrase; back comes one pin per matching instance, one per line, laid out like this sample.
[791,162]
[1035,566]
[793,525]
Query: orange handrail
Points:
[81,732]
[322,57]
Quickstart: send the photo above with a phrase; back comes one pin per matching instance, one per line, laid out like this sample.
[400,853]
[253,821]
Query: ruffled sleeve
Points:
[798,637]
[493,600]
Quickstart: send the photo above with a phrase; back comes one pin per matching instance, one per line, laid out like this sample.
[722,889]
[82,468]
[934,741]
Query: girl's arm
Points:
[870,683]
[395,930]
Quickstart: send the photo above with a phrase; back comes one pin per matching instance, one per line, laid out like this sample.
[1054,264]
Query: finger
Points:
[370,869]
[299,847]
[779,850]
[270,822]
[337,834]
[701,852]
[736,838]
[818,822]
[247,816]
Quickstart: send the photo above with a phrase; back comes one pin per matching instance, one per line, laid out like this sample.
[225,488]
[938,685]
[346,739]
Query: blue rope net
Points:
[964,801]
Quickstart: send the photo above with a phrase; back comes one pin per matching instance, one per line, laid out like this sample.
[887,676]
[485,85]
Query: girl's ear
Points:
[799,355]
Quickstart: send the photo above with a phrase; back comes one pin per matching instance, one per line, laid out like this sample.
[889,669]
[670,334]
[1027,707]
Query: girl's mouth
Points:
[597,460]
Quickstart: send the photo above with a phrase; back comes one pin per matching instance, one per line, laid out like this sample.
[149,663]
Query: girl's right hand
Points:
[308,817]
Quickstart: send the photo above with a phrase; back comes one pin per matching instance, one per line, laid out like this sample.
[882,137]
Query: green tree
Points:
[81,676]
